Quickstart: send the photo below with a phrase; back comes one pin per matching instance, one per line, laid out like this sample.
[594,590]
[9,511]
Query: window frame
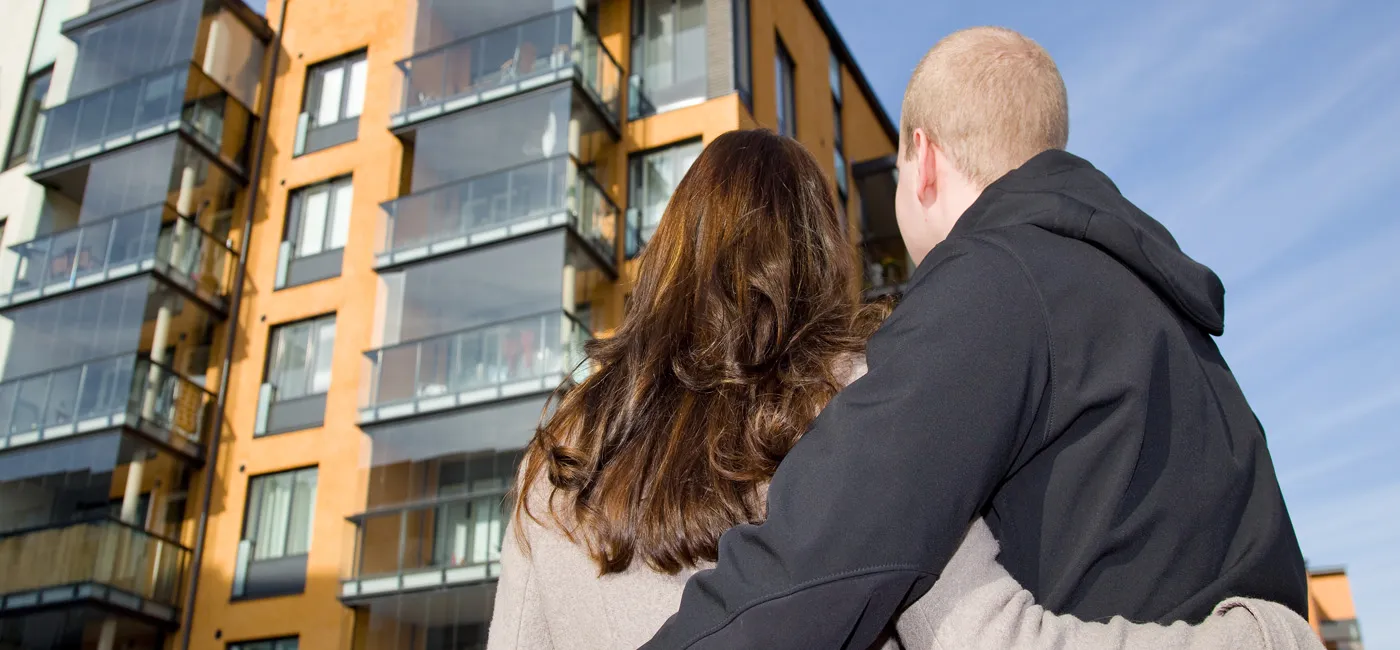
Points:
[743,51]
[314,86]
[635,168]
[277,643]
[276,344]
[294,224]
[784,70]
[18,123]
[638,64]
[250,523]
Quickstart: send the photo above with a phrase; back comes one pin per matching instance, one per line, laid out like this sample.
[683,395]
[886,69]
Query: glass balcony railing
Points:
[508,60]
[519,357]
[508,203]
[88,559]
[180,97]
[98,395]
[153,237]
[447,542]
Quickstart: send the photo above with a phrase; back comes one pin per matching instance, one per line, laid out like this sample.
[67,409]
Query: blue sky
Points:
[1266,136]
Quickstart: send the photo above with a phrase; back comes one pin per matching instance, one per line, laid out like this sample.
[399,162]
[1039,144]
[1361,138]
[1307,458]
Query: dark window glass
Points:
[787,112]
[300,359]
[318,217]
[36,88]
[280,511]
[652,179]
[335,90]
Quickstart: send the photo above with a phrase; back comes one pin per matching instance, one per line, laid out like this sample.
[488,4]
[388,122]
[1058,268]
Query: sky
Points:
[1265,134]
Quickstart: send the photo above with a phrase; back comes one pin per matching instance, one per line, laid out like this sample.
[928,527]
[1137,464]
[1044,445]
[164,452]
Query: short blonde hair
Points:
[990,98]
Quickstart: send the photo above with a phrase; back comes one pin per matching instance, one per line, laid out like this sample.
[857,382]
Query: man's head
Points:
[981,103]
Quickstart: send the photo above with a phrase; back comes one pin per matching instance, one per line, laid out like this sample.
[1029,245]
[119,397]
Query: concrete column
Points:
[566,328]
[108,637]
[131,498]
[212,56]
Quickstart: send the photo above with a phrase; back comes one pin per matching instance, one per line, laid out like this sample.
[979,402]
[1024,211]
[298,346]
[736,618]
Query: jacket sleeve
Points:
[517,620]
[866,510]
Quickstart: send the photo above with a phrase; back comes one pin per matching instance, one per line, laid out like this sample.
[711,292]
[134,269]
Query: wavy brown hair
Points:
[741,325]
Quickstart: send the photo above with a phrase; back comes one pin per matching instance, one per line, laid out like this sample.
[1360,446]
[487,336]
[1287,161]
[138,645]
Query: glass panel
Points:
[36,88]
[455,533]
[486,202]
[521,349]
[690,43]
[494,58]
[313,232]
[324,351]
[340,217]
[29,406]
[272,516]
[494,284]
[834,77]
[328,104]
[63,397]
[355,95]
[133,43]
[303,512]
[106,552]
[63,255]
[290,372]
[514,132]
[234,57]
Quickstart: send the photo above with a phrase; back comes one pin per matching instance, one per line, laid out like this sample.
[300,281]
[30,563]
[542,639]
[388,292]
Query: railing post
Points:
[77,256]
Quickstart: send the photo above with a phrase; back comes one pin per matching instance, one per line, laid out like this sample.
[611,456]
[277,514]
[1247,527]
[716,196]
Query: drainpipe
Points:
[235,305]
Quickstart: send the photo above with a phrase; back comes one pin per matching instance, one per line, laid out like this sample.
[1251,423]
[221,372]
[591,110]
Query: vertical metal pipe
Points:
[211,466]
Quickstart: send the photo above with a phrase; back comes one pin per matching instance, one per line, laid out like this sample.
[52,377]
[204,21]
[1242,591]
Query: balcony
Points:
[507,61]
[178,98]
[451,541]
[501,205]
[98,561]
[153,238]
[118,392]
[520,357]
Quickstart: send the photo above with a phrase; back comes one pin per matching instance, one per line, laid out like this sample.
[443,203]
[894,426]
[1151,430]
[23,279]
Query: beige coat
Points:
[552,598]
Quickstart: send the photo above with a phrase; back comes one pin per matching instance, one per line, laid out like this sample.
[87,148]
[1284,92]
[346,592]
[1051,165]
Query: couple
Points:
[1046,451]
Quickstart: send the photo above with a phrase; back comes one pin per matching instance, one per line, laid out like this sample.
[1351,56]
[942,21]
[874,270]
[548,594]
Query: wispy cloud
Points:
[1176,58]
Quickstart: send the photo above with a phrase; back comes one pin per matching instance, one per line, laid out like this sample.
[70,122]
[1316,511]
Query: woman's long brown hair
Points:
[742,320]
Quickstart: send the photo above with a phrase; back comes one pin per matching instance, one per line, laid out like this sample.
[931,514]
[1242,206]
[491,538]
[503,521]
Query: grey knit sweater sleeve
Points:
[977,605]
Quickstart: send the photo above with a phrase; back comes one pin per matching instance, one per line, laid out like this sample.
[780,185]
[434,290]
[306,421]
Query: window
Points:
[318,217]
[668,52]
[839,146]
[318,225]
[335,93]
[289,643]
[277,529]
[36,88]
[835,77]
[652,177]
[787,113]
[301,358]
[743,56]
[280,509]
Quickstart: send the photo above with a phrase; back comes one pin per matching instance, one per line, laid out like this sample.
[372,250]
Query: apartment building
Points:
[302,277]
[1331,610]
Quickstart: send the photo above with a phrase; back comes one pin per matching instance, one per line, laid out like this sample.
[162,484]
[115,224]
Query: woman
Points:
[744,323]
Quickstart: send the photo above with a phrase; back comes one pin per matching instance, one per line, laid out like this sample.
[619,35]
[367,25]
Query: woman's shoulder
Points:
[850,367]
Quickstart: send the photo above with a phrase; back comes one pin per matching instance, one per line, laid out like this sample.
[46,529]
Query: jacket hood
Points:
[1064,194]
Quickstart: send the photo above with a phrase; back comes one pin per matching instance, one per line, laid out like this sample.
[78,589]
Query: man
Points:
[1051,368]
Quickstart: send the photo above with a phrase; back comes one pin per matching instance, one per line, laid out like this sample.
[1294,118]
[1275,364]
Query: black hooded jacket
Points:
[1052,369]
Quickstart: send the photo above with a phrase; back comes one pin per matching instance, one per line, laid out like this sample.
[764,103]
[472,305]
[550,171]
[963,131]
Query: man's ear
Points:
[926,155]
